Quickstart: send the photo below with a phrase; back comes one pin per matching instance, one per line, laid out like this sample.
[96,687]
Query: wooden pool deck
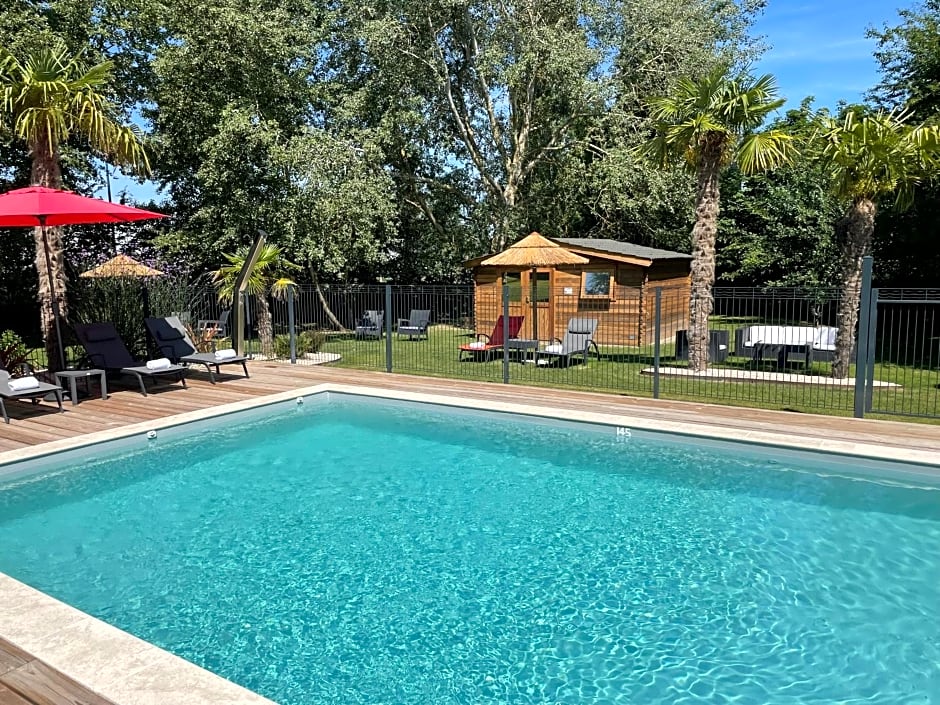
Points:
[25,680]
[31,425]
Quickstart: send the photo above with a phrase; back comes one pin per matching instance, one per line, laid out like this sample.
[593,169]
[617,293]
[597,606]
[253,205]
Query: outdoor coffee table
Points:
[73,375]
[527,346]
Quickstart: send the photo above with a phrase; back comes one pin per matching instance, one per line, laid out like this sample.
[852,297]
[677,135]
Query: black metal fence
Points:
[770,348]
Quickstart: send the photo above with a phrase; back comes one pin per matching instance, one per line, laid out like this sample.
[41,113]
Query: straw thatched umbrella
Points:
[124,267]
[531,252]
[121,266]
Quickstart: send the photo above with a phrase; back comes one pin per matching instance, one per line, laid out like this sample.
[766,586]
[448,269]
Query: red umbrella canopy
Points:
[37,205]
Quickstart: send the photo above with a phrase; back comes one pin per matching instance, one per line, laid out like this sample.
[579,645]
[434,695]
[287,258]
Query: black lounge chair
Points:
[415,325]
[173,342]
[371,325]
[578,340]
[106,350]
[34,394]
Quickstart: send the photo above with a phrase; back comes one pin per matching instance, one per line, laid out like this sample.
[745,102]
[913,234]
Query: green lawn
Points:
[619,371]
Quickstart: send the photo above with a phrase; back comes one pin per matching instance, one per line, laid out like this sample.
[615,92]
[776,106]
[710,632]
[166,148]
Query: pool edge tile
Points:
[155,673]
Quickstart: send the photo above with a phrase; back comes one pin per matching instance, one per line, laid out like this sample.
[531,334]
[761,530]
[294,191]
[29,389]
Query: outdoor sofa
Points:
[785,343]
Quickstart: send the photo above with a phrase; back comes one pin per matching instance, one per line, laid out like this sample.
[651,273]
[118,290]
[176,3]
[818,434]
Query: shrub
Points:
[13,352]
[308,341]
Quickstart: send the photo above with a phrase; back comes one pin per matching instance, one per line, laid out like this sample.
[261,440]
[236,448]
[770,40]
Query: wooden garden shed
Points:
[616,286]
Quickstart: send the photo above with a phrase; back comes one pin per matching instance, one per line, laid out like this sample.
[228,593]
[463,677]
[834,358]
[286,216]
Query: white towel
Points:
[477,345]
[22,384]
[161,363]
[555,348]
[225,354]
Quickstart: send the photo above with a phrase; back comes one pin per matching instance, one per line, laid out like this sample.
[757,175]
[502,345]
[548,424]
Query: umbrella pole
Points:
[535,305]
[52,292]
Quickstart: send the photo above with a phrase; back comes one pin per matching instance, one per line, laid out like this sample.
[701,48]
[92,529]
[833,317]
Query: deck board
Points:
[25,680]
[31,425]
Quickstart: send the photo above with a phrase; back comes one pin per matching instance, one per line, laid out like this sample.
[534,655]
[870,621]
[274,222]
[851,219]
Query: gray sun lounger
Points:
[34,394]
[415,325]
[173,342]
[579,338]
[106,350]
[371,325]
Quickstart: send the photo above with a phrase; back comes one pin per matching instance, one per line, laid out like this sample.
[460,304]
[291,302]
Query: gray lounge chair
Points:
[371,325]
[416,325]
[34,394]
[173,342]
[106,350]
[578,340]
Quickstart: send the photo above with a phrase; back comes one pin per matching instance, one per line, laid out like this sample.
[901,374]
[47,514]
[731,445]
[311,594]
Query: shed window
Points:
[513,281]
[597,285]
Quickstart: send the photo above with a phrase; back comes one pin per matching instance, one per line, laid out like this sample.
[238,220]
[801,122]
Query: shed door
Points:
[538,310]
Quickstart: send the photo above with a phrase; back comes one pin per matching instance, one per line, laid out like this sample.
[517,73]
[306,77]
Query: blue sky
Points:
[819,47]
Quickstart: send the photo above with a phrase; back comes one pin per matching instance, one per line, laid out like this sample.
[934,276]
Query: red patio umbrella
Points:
[41,206]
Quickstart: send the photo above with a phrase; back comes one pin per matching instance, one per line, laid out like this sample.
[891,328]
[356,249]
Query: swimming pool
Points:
[356,551]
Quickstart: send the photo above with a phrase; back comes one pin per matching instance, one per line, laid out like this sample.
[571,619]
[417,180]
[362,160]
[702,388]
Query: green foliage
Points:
[721,114]
[51,96]
[307,341]
[268,275]
[873,155]
[13,351]
[909,58]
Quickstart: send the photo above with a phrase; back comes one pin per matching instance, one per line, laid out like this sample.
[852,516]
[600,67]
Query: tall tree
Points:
[508,83]
[46,99]
[709,124]
[868,157]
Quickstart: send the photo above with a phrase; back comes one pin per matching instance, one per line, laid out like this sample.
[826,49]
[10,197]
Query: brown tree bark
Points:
[45,171]
[855,231]
[265,324]
[704,233]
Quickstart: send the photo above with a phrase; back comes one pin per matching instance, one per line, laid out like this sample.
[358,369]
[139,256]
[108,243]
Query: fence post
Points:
[388,327]
[505,332]
[291,328]
[861,339]
[657,320]
[872,332]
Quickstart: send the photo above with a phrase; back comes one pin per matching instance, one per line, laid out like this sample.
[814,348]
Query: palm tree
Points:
[47,100]
[266,277]
[710,124]
[869,156]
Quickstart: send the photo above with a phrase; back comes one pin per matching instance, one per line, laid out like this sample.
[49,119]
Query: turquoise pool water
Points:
[362,552]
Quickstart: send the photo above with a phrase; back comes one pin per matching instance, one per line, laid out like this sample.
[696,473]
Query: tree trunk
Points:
[704,233]
[855,230]
[265,325]
[45,172]
[326,305]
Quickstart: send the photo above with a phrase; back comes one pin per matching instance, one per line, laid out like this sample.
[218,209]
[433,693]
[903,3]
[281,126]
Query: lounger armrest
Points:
[483,336]
[403,322]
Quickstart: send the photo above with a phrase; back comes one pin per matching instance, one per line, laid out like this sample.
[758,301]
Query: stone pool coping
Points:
[130,671]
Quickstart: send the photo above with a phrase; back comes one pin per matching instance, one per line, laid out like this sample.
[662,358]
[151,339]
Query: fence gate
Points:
[903,352]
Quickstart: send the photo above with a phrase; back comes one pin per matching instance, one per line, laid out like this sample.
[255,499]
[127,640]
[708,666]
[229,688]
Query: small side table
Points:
[73,375]
[527,346]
